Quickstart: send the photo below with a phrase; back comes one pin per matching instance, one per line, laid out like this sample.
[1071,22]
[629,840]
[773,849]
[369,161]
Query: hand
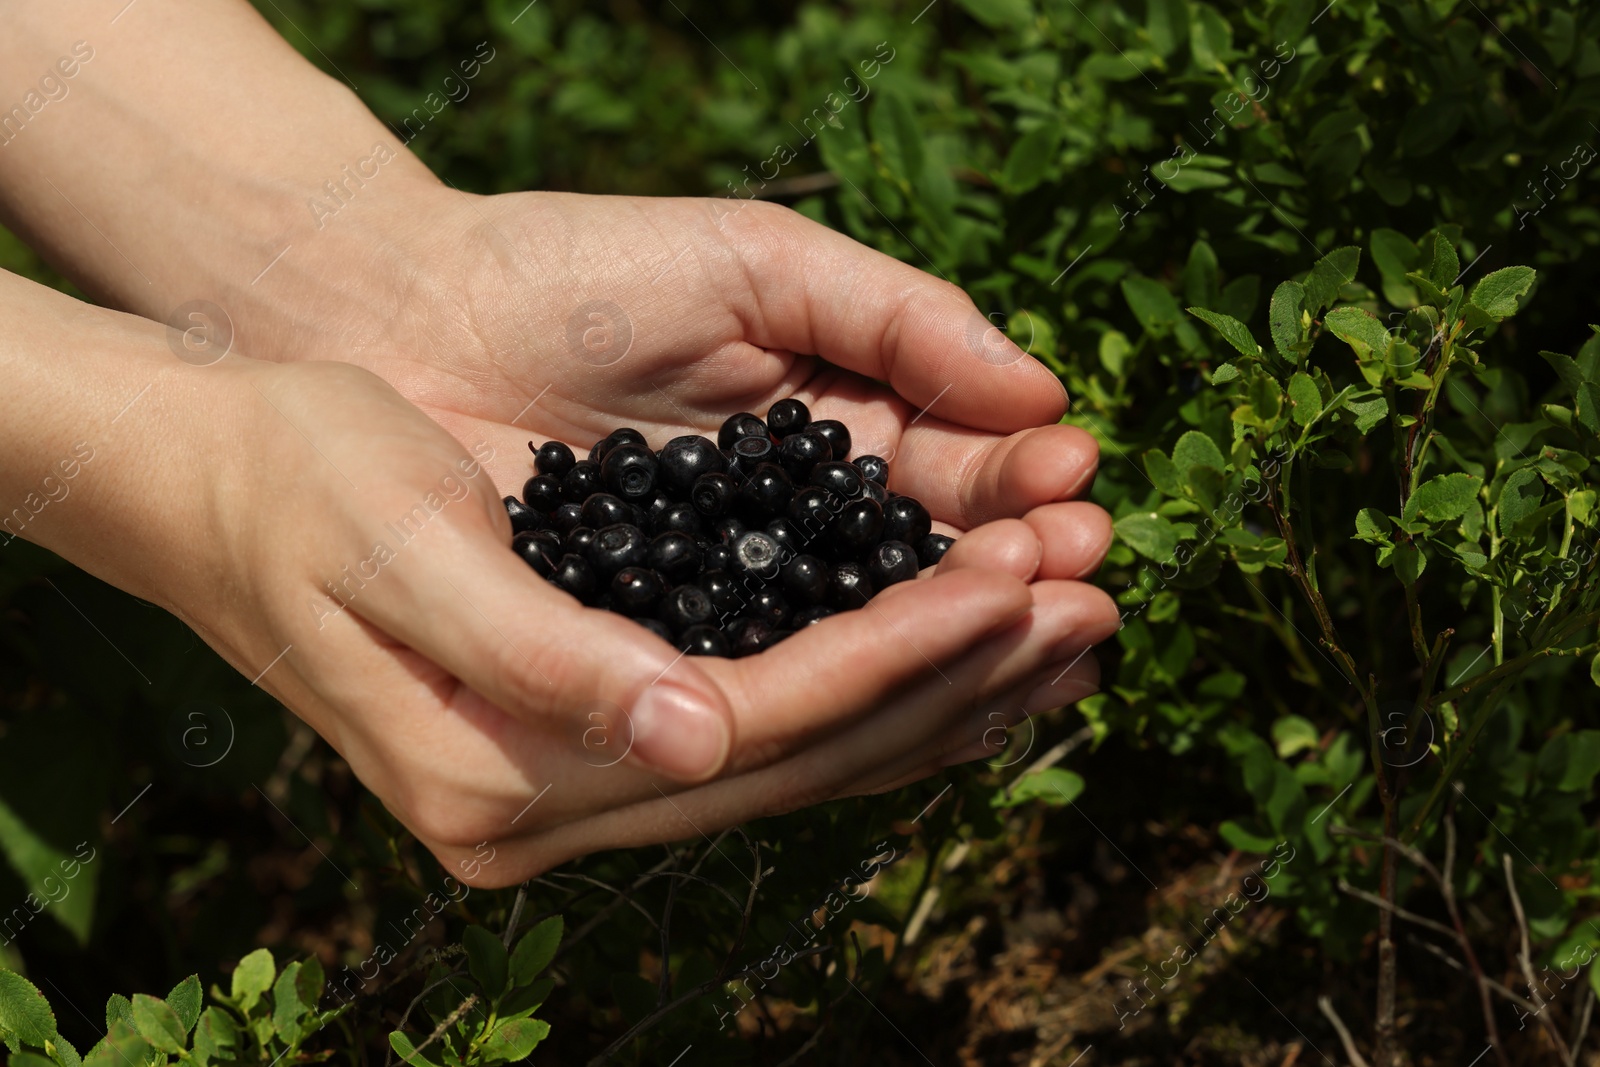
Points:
[478,339]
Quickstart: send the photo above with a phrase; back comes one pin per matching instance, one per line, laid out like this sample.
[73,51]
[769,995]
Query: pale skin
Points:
[420,329]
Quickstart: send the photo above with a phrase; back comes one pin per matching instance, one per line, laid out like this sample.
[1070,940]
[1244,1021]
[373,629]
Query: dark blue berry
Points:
[713,494]
[931,549]
[891,562]
[858,527]
[766,492]
[727,530]
[874,491]
[566,518]
[787,417]
[616,547]
[577,540]
[726,592]
[685,606]
[840,479]
[719,557]
[581,482]
[574,575]
[813,510]
[703,640]
[657,627]
[603,509]
[629,471]
[836,433]
[769,606]
[636,590]
[523,518]
[542,492]
[535,552]
[800,452]
[905,520]
[873,469]
[755,554]
[676,556]
[680,517]
[849,587]
[743,424]
[749,453]
[788,538]
[553,457]
[809,616]
[805,580]
[748,636]
[685,459]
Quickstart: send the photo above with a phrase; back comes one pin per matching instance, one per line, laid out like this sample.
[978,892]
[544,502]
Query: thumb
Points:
[470,605]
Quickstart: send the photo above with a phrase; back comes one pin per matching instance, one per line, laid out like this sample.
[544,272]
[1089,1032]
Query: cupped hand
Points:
[551,316]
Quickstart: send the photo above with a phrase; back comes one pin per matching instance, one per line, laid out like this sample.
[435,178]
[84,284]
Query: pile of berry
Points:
[725,548]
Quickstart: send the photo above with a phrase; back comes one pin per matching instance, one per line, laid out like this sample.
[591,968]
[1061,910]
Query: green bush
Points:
[1356,514]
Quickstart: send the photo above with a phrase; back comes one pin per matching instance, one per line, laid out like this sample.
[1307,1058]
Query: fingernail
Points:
[1059,693]
[678,733]
[967,753]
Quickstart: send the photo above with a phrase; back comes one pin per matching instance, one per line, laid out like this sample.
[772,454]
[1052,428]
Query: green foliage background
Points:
[1026,150]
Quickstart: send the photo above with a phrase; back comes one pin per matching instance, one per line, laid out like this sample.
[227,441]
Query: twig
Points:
[516,915]
[1356,1059]
[1409,916]
[1515,666]
[1520,1001]
[1524,958]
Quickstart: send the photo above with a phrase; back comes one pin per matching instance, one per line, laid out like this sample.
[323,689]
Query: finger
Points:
[1074,538]
[1010,546]
[857,661]
[815,290]
[968,478]
[462,600]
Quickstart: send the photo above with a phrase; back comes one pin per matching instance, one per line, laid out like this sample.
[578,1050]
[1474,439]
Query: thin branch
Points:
[516,915]
[1410,916]
[1349,1043]
[1525,959]
[1514,666]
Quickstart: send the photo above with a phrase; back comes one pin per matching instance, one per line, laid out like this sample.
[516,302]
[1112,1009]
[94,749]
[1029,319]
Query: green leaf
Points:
[1232,330]
[1372,525]
[25,1015]
[1292,734]
[1031,158]
[118,1007]
[511,1041]
[486,957]
[1368,412]
[1594,669]
[1163,473]
[1329,275]
[158,1024]
[894,126]
[1520,497]
[407,1051]
[1445,267]
[1569,762]
[1053,786]
[1148,534]
[1000,14]
[1154,307]
[121,1047]
[1284,318]
[1359,330]
[1394,254]
[287,1007]
[30,1059]
[216,1035]
[535,950]
[1224,374]
[1430,293]
[1566,369]
[1442,498]
[1409,562]
[1306,398]
[1498,293]
[185,1000]
[1195,449]
[1587,411]
[252,978]
[526,1000]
